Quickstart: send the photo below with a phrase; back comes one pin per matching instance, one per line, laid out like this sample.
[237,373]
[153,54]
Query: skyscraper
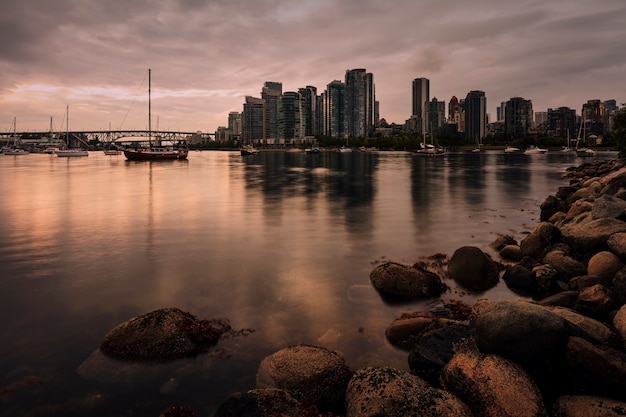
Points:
[271,95]
[335,110]
[252,120]
[290,117]
[421,97]
[475,116]
[309,110]
[359,102]
[518,116]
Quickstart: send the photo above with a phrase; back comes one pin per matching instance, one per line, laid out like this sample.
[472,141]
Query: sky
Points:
[92,56]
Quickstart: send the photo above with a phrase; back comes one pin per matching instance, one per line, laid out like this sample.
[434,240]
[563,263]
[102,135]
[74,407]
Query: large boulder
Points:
[381,391]
[588,328]
[162,335]
[587,406]
[521,331]
[520,279]
[311,374]
[595,369]
[596,301]
[591,237]
[396,280]
[492,386]
[608,206]
[472,269]
[617,244]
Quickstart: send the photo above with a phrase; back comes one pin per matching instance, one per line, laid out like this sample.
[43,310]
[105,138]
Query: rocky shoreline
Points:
[558,351]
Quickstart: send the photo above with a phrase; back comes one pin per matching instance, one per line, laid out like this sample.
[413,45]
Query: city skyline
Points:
[207,56]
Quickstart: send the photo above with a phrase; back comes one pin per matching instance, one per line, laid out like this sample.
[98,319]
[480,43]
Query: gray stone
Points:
[592,236]
[604,264]
[617,244]
[565,266]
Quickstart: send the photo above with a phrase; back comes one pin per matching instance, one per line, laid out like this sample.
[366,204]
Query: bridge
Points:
[108,135]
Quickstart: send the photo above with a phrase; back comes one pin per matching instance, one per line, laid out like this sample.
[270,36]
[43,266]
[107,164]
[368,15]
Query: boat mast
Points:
[149,109]
[67,125]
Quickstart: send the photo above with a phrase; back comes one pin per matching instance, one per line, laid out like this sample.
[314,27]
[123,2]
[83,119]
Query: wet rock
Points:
[310,374]
[520,279]
[596,369]
[435,349]
[592,236]
[503,241]
[586,281]
[162,335]
[596,301]
[521,331]
[511,253]
[608,206]
[472,269]
[375,392]
[492,386]
[546,278]
[566,299]
[587,406]
[395,280]
[619,322]
[617,244]
[548,231]
[565,266]
[587,328]
[405,332]
[604,264]
[534,246]
[549,207]
[619,286]
[267,402]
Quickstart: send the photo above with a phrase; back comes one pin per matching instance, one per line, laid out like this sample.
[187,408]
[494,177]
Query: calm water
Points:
[280,242]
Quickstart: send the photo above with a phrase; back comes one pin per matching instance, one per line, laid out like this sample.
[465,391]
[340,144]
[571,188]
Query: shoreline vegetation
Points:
[557,350]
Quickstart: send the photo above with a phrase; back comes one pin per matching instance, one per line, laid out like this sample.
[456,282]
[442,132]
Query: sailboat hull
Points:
[155,154]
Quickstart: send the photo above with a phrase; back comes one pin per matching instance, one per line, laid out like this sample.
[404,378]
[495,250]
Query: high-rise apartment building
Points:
[309,110]
[475,116]
[561,123]
[436,114]
[234,125]
[421,97]
[253,125]
[594,118]
[518,117]
[335,108]
[290,123]
[359,102]
[271,93]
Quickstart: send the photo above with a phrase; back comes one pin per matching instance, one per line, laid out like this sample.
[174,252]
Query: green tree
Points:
[619,131]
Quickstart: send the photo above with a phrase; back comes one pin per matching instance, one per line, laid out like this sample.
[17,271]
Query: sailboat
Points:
[69,151]
[429,149]
[152,152]
[14,150]
[584,151]
[111,149]
[346,147]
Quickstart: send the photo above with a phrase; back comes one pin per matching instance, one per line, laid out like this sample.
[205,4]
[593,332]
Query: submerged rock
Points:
[395,280]
[162,335]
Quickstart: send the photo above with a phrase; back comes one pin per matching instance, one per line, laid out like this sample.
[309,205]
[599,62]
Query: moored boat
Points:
[151,152]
